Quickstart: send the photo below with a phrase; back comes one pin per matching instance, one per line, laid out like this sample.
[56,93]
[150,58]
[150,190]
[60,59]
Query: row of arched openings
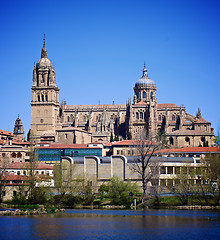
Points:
[42,98]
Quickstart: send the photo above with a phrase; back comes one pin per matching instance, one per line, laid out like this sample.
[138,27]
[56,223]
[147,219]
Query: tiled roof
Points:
[6,132]
[13,177]
[127,142]
[192,150]
[167,105]
[103,143]
[201,120]
[39,166]
[20,142]
[73,146]
[100,106]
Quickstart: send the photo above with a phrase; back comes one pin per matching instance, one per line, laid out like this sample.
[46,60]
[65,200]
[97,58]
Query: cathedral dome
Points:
[145,80]
[44,63]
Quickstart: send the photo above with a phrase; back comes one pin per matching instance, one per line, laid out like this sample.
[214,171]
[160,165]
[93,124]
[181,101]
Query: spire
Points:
[44,41]
[44,50]
[145,71]
[198,114]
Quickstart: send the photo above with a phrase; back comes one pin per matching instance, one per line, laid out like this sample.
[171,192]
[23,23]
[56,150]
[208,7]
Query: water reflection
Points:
[107,224]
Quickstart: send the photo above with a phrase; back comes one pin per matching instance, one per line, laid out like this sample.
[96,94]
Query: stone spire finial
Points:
[44,41]
[44,50]
[198,114]
[145,71]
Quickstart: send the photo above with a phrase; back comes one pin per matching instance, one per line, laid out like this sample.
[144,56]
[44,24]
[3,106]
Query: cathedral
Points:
[82,124]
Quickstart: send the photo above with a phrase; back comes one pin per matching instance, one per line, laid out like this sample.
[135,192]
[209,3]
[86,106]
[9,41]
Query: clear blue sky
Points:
[99,47]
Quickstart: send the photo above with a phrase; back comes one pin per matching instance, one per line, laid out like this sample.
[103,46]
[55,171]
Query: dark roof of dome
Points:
[145,80]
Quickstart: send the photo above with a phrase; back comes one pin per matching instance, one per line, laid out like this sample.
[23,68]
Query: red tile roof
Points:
[6,133]
[20,142]
[201,120]
[192,150]
[127,142]
[103,143]
[39,166]
[167,105]
[13,177]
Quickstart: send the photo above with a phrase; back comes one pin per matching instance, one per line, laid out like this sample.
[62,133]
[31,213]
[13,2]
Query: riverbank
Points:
[26,212]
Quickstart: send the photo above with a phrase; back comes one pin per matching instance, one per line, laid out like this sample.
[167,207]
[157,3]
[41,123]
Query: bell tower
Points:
[45,98]
[143,112]
[18,129]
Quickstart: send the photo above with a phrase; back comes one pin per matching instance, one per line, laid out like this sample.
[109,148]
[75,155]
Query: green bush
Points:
[118,191]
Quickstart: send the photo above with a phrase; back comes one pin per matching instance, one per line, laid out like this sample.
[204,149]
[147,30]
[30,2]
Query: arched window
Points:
[144,94]
[13,155]
[71,118]
[68,119]
[171,141]
[151,96]
[141,115]
[19,155]
[42,97]
[159,118]
[173,117]
[137,115]
[46,98]
[38,98]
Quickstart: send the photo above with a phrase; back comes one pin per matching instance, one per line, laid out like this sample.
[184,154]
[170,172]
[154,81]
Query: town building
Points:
[82,124]
[52,153]
[16,177]
[99,170]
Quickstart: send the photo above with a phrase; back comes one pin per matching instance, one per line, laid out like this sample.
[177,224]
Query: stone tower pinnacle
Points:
[44,50]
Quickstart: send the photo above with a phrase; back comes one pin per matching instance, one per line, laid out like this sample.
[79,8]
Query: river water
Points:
[114,224]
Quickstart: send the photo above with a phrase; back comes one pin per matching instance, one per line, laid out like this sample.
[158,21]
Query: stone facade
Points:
[99,123]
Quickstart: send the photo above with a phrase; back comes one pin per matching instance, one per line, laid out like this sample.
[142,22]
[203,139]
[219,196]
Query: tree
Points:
[119,191]
[217,139]
[145,146]
[3,175]
[116,138]
[184,183]
[212,175]
[35,194]
[129,136]
[111,137]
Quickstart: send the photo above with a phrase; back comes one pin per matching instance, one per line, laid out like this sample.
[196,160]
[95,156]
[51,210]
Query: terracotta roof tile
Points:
[201,120]
[6,133]
[127,142]
[167,105]
[13,177]
[39,166]
[192,150]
